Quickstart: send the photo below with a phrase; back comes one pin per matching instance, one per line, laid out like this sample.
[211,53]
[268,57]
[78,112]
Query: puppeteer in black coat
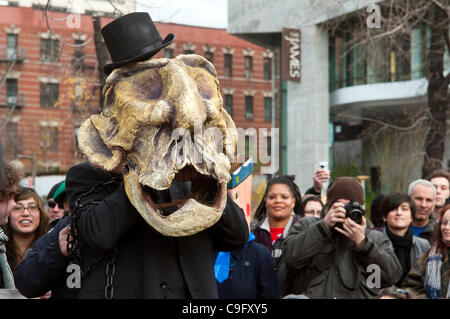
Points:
[146,264]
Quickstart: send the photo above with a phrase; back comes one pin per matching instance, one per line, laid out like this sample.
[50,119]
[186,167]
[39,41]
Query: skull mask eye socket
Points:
[142,85]
[148,86]
[203,82]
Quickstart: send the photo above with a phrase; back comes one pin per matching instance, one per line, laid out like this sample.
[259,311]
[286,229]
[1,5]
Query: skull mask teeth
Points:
[154,124]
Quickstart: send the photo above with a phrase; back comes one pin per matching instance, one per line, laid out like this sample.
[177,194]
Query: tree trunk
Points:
[102,54]
[437,94]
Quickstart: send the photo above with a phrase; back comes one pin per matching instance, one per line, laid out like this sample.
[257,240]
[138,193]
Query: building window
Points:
[247,146]
[228,58]
[11,46]
[266,142]
[49,50]
[209,56]
[249,107]
[267,109]
[49,138]
[168,53]
[400,59]
[229,104]
[189,48]
[248,67]
[346,131]
[267,69]
[79,55]
[269,145]
[49,94]
[380,60]
[11,92]
[251,145]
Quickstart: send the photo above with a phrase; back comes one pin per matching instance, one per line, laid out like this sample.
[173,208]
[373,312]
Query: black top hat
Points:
[131,38]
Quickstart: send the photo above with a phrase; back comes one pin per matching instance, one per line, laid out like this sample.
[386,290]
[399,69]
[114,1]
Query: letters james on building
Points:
[291,54]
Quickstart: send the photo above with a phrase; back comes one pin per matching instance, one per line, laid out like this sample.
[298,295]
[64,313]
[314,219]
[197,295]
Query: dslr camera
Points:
[354,211]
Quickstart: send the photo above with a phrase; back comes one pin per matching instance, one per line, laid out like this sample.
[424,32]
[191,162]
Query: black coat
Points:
[44,267]
[147,264]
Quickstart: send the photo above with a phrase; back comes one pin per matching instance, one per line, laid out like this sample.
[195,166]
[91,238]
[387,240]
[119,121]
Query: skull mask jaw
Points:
[189,216]
[145,103]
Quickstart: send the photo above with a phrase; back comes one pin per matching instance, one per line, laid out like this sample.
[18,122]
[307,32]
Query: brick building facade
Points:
[50,73]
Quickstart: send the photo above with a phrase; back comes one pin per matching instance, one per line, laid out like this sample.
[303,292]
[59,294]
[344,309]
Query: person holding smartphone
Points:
[320,179]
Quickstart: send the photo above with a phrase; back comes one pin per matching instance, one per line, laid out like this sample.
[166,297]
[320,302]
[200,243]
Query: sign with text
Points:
[291,54]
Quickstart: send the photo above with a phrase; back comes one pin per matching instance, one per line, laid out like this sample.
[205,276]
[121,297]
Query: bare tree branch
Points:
[441,6]
[385,124]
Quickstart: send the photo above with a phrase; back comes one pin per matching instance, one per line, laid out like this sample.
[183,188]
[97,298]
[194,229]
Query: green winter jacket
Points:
[326,265]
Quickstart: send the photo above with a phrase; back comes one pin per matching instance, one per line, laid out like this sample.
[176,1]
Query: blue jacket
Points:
[44,267]
[252,274]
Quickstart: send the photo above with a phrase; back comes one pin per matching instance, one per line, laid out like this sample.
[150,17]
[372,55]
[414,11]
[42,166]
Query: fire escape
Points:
[11,101]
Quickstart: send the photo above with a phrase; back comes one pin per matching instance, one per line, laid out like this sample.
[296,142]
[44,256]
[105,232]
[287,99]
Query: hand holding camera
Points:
[347,219]
[335,215]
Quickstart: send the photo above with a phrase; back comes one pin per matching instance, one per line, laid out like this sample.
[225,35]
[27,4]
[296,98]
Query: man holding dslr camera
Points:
[337,256]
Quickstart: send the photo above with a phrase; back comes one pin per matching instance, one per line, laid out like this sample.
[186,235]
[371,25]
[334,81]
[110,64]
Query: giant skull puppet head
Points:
[153,125]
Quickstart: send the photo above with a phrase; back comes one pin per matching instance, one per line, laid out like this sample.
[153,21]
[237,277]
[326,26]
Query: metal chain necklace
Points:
[110,271]
[73,244]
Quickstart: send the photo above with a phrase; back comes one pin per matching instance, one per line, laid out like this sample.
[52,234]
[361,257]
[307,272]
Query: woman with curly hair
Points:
[27,222]
[279,209]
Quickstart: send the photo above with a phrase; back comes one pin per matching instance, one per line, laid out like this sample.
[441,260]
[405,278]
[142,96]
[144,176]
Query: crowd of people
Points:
[291,249]
[92,240]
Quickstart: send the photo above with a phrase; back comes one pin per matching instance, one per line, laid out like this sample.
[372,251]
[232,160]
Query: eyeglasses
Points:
[21,208]
[51,203]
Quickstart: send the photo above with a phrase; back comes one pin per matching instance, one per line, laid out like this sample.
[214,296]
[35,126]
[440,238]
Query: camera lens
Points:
[356,216]
[355,212]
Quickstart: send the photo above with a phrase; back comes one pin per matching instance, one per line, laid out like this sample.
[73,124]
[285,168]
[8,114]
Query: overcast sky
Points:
[205,13]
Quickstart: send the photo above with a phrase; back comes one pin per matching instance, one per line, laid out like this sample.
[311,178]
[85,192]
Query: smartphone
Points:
[323,165]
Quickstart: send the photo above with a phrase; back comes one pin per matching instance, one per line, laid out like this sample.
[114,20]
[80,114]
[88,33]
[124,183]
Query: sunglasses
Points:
[51,203]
